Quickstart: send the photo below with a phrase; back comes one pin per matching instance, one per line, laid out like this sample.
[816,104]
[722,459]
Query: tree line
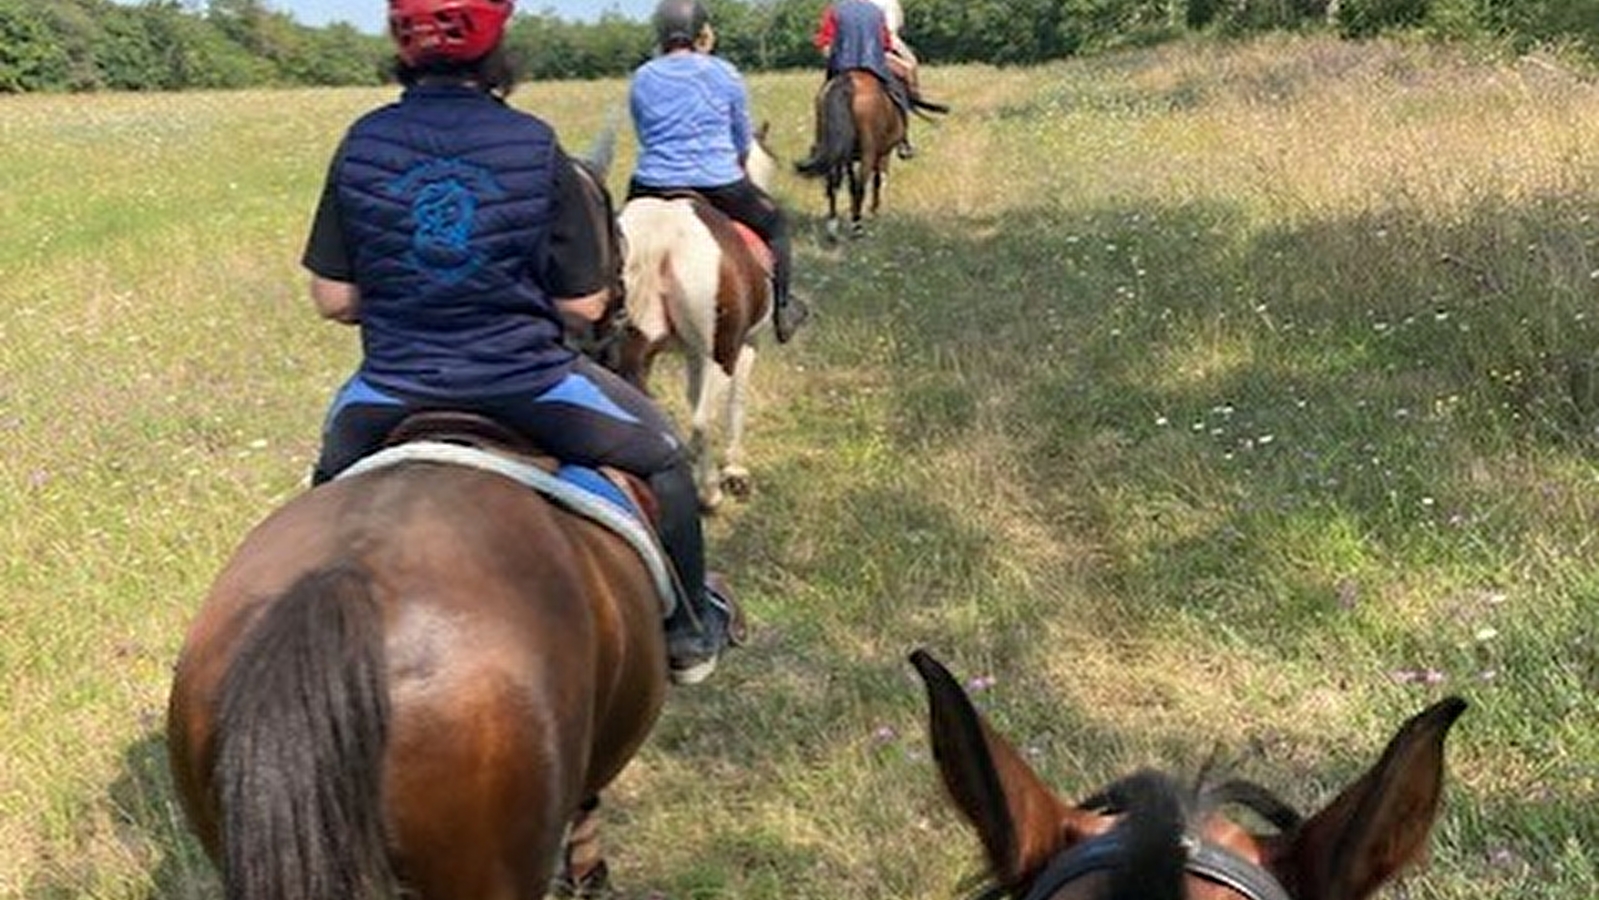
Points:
[86,45]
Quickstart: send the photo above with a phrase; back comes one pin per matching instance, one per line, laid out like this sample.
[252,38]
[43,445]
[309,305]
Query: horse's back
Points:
[878,121]
[668,254]
[692,276]
[521,647]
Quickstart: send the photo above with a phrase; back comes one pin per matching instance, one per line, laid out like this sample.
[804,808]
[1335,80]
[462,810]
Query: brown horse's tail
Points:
[302,725]
[835,129]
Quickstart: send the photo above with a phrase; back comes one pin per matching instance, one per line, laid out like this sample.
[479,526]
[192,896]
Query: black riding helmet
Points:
[678,23]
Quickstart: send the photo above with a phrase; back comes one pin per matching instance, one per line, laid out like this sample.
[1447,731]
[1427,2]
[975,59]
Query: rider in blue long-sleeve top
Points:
[691,115]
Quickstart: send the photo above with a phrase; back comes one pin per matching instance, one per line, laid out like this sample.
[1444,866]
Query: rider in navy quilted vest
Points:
[455,232]
[854,34]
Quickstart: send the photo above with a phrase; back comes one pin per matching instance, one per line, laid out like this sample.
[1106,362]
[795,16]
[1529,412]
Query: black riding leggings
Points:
[745,202]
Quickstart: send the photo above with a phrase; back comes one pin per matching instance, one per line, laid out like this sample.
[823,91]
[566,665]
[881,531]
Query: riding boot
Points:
[900,92]
[789,312]
[705,620]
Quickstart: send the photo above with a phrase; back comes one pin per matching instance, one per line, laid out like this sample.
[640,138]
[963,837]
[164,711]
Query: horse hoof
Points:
[832,229]
[596,882]
[857,230]
[709,503]
[737,482]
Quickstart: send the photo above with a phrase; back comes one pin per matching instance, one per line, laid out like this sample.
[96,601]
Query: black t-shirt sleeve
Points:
[326,253]
[573,261]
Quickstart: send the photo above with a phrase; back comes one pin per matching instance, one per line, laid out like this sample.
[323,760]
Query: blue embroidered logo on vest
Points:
[444,195]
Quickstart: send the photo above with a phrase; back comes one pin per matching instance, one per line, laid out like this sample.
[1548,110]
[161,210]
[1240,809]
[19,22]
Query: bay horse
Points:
[858,125]
[699,283]
[415,679]
[1146,838]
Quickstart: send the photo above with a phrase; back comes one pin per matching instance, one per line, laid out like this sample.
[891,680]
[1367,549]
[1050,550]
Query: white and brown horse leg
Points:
[858,174]
[735,477]
[879,172]
[835,179]
[583,869]
[706,384]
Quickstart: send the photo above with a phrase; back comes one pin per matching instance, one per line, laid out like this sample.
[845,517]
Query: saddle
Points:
[618,500]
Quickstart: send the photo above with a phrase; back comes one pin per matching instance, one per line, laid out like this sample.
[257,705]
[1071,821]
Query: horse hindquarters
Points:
[432,713]
[290,810]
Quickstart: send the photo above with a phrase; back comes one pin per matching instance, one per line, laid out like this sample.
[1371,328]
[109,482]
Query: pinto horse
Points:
[1144,838]
[415,680]
[699,283]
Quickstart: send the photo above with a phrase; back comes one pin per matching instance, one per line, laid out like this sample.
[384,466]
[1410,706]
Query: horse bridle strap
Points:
[1205,860]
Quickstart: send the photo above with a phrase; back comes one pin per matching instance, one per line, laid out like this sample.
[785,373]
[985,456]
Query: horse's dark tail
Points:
[923,106]
[835,129]
[302,725]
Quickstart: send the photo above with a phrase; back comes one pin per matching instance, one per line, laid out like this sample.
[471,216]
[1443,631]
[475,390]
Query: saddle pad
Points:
[577,489]
[763,253]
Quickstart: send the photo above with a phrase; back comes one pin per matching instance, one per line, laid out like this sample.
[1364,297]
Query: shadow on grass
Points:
[1191,393]
[147,824]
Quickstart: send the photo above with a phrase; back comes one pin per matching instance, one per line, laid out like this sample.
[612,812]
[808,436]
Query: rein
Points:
[604,340]
[1204,859]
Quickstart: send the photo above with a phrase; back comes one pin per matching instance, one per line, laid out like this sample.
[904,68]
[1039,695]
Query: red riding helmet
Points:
[447,30]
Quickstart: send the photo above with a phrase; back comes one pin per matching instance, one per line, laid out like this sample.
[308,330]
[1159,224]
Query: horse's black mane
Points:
[1158,811]
[1156,817]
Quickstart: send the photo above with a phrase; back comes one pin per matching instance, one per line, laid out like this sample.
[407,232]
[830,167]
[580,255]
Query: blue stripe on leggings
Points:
[358,391]
[576,390]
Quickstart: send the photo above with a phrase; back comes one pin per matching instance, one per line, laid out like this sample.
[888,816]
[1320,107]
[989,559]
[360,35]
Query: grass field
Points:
[1241,395]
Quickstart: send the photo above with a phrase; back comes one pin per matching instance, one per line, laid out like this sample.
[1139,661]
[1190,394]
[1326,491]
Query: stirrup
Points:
[694,672]
[699,650]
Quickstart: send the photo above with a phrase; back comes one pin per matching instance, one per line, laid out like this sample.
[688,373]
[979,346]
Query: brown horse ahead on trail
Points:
[415,680]
[857,127]
[1143,838]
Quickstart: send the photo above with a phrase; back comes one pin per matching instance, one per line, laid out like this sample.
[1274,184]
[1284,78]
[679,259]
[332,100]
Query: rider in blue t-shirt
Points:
[691,116]
[455,233]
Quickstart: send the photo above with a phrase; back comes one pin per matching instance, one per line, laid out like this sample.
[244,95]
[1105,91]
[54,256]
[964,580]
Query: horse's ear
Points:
[1379,824]
[1019,820]
[762,130]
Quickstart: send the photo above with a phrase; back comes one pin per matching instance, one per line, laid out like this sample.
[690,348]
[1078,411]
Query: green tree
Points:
[31,58]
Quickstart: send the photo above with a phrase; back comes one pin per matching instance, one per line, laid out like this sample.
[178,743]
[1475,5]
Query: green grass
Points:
[1197,395]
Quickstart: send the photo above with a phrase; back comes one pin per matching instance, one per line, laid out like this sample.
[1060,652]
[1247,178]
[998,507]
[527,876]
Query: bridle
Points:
[1205,859]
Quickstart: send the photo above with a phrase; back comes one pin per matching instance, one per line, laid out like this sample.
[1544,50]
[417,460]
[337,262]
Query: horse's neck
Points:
[760,166]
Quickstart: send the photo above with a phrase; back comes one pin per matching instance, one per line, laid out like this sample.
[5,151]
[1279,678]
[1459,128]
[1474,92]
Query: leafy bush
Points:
[1368,18]
[30,60]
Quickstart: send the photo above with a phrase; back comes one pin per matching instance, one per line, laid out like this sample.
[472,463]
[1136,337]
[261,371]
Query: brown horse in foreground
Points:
[1143,838]
[414,679]
[857,127]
